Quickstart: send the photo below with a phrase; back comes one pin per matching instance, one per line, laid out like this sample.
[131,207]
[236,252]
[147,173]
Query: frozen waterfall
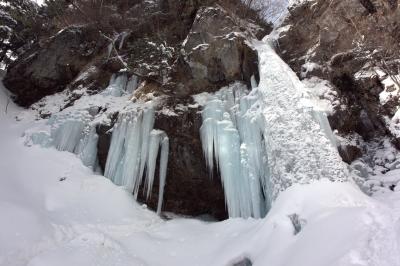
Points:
[71,132]
[135,147]
[232,135]
[264,141]
[120,84]
[73,129]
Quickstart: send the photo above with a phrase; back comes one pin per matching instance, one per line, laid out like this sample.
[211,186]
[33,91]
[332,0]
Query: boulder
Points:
[216,52]
[349,153]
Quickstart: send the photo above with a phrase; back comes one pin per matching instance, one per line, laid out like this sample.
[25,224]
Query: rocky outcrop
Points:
[177,49]
[346,42]
[339,31]
[190,189]
[49,68]
[215,53]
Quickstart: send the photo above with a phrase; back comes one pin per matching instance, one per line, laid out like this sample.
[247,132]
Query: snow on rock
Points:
[326,98]
[55,211]
[74,130]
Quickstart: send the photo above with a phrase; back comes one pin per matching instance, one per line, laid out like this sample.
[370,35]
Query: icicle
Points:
[131,162]
[68,135]
[117,86]
[72,132]
[123,37]
[147,126]
[232,135]
[87,148]
[154,144]
[322,120]
[134,148]
[132,85]
[163,171]
[208,133]
[116,150]
[253,82]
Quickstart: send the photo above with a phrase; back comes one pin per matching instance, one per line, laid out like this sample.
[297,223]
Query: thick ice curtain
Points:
[232,136]
[135,147]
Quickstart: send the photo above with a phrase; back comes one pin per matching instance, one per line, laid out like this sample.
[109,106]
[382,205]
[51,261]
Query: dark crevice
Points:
[369,6]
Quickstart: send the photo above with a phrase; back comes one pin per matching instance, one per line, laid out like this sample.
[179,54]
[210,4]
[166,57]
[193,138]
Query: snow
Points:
[325,97]
[299,142]
[55,211]
[86,220]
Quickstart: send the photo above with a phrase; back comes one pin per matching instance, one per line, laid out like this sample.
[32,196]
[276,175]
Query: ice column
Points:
[232,135]
[120,85]
[134,148]
[71,132]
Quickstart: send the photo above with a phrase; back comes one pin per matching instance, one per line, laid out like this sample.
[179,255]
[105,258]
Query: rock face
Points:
[338,41]
[339,32]
[49,69]
[216,52]
[177,49]
[189,190]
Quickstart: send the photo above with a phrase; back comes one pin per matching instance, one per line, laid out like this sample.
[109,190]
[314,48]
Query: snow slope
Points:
[54,211]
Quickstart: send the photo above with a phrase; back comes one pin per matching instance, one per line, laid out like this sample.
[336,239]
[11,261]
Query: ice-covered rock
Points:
[265,141]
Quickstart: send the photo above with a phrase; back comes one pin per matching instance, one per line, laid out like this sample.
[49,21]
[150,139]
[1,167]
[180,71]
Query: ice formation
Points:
[300,143]
[120,84]
[135,147]
[71,132]
[233,135]
[73,129]
[265,141]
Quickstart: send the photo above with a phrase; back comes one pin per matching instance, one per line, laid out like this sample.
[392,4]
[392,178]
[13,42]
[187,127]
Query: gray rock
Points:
[341,37]
[189,188]
[48,69]
[216,52]
[244,262]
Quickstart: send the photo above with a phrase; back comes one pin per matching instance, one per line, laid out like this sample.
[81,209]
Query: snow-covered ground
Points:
[55,211]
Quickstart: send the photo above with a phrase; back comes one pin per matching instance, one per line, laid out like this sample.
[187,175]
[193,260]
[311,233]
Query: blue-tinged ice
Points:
[71,132]
[134,150]
[234,139]
[265,140]
[120,85]
[163,170]
[73,129]
[87,147]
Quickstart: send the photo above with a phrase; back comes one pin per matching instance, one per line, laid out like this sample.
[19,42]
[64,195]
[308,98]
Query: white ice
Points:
[134,148]
[120,84]
[74,129]
[268,140]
